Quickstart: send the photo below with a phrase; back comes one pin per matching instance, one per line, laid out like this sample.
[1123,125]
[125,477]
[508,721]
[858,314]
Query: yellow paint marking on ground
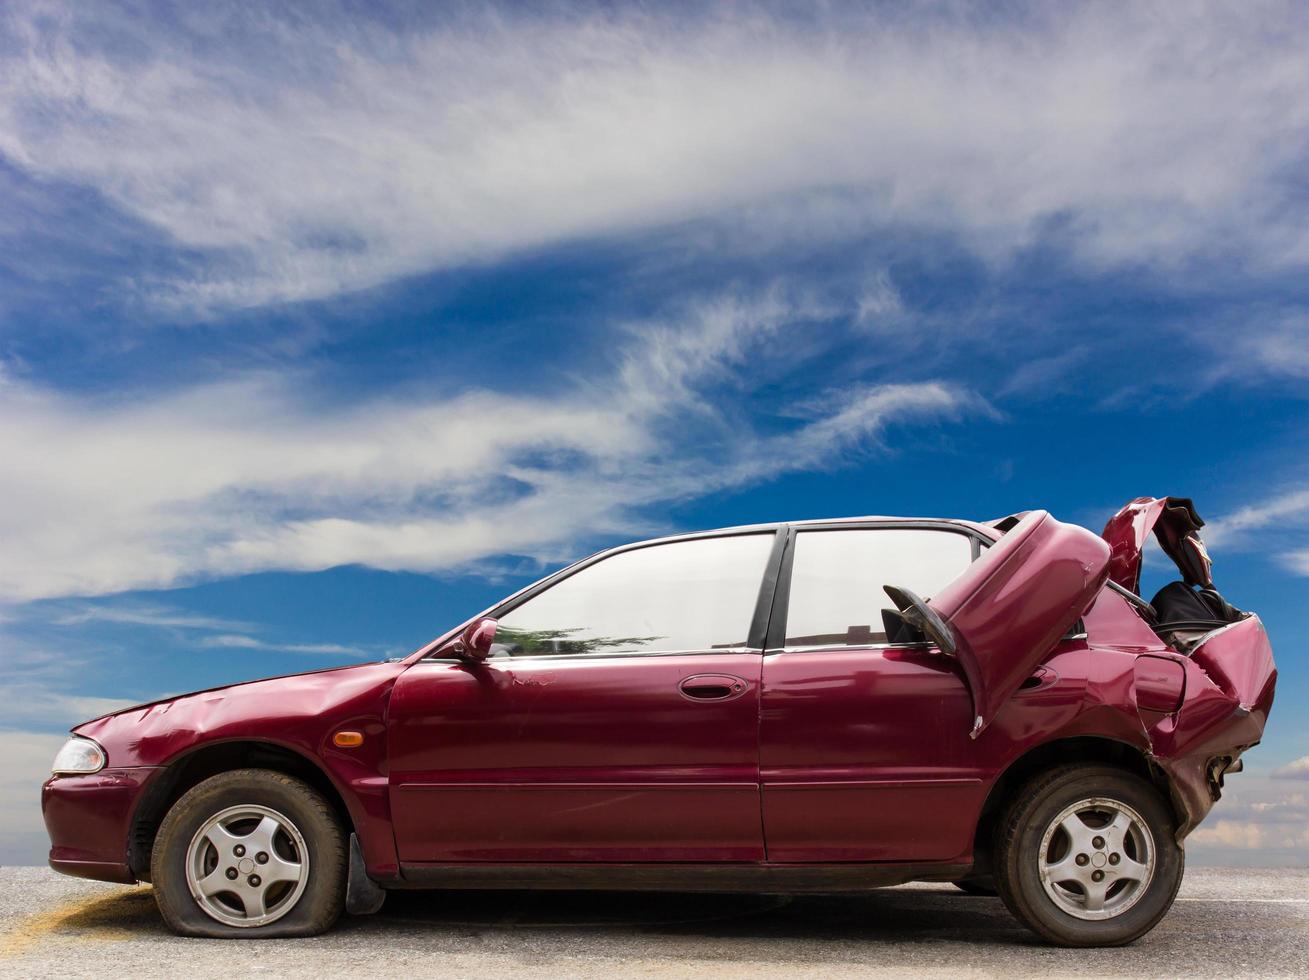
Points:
[95,916]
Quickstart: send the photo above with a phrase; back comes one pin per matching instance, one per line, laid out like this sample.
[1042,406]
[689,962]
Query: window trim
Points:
[776,578]
[758,619]
[775,641]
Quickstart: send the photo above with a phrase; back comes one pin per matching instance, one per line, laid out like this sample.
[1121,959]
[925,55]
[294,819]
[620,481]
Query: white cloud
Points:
[1275,524]
[358,154]
[158,617]
[138,491]
[1293,504]
[241,641]
[1231,833]
[25,766]
[1296,769]
[1256,822]
[1274,344]
[39,706]
[1045,375]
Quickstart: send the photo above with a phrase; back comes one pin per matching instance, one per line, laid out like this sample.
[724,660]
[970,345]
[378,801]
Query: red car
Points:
[726,711]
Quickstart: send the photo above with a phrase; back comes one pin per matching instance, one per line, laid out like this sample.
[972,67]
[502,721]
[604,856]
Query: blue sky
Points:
[322,329]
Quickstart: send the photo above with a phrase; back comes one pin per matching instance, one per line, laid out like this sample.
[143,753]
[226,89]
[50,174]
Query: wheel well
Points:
[1087,749]
[197,766]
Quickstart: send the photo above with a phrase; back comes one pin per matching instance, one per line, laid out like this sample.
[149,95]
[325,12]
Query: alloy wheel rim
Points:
[1097,859]
[247,866]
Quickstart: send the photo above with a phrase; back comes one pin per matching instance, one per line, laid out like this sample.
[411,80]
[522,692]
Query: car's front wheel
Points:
[1086,856]
[250,853]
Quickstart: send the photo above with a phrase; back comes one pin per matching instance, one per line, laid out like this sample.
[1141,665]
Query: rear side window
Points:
[837,577]
[686,595]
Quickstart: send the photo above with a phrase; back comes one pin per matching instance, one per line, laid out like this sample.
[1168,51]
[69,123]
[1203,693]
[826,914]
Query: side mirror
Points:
[918,613]
[474,644]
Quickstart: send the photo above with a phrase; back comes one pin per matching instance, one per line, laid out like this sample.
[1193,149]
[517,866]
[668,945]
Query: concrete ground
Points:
[1231,922]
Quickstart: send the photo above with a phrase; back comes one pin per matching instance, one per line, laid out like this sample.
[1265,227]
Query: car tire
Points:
[1086,855]
[984,886]
[250,854]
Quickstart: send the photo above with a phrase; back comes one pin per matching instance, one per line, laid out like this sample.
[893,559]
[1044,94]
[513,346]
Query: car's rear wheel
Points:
[250,854]
[1086,856]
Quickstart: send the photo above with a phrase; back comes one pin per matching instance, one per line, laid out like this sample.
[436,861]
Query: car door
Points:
[863,741]
[617,719]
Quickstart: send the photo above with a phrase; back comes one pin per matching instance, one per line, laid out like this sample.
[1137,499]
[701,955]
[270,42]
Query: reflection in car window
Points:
[837,577]
[685,595]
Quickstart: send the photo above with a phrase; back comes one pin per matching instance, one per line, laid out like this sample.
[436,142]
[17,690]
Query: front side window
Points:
[685,595]
[837,577]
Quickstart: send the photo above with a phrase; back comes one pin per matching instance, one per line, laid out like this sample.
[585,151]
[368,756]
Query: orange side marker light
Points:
[348,740]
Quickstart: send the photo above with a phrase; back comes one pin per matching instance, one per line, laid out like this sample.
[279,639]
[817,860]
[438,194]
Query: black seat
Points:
[1178,603]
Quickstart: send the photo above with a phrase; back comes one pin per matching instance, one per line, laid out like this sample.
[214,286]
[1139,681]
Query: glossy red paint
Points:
[299,713]
[835,767]
[1011,605]
[90,821]
[1174,522]
[1160,684]
[576,759]
[475,641]
[1230,679]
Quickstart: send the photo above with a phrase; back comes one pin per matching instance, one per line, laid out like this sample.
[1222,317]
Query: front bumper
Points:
[89,820]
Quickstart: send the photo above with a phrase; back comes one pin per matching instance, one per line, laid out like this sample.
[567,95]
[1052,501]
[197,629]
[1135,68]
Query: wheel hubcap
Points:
[247,866]
[1097,859]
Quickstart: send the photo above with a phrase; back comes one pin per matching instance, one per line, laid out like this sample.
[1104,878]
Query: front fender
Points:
[300,714]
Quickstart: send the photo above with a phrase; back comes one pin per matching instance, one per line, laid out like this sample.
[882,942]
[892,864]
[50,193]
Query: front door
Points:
[617,719]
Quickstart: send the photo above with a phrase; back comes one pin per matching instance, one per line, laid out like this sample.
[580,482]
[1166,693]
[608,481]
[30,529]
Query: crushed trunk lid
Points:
[1177,527]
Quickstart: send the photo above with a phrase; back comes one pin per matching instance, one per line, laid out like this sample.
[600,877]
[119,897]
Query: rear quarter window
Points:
[836,596]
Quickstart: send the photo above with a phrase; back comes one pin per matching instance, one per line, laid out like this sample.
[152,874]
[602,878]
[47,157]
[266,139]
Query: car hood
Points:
[290,709]
[221,688]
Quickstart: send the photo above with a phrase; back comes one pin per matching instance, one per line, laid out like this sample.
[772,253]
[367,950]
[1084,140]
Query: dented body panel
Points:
[299,713]
[1229,691]
[889,755]
[1174,523]
[1014,603]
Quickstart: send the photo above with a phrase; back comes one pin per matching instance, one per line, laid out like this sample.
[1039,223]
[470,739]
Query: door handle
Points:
[713,687]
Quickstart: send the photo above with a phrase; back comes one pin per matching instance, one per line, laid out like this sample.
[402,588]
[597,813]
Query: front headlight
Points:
[79,755]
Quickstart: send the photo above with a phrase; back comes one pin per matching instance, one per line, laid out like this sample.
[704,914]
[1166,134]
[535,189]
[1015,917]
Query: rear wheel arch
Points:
[1084,749]
[198,764]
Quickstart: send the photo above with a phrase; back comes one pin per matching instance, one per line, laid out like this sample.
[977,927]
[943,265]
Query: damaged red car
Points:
[809,707]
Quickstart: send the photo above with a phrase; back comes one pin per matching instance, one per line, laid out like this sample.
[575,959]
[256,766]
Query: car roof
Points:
[985,530]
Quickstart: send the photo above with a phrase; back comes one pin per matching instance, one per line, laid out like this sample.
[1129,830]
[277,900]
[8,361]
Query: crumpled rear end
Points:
[1230,678]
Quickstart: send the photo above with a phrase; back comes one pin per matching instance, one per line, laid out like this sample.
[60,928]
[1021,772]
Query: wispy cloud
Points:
[1256,822]
[33,705]
[1276,524]
[1293,504]
[256,473]
[291,158]
[241,641]
[1043,376]
[26,765]
[159,617]
[201,631]
[1296,769]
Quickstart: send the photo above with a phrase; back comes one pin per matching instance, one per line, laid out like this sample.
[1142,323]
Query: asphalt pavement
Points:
[1227,922]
